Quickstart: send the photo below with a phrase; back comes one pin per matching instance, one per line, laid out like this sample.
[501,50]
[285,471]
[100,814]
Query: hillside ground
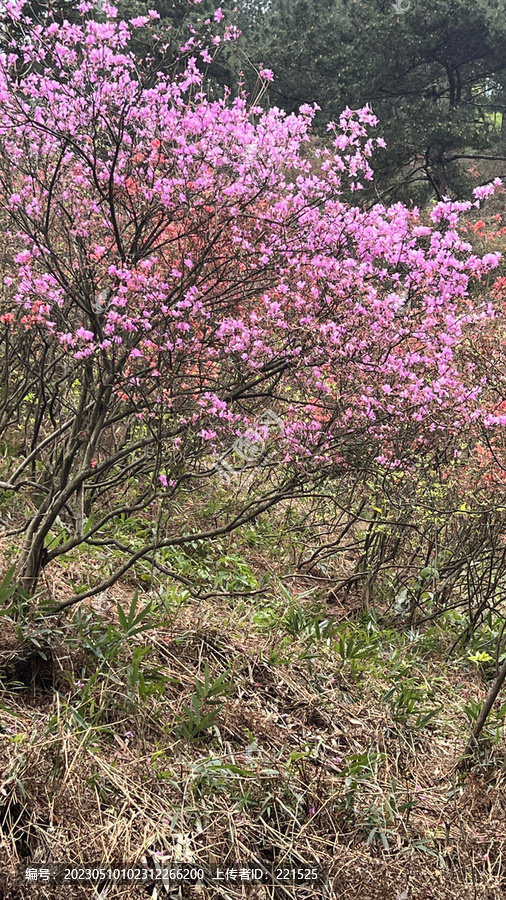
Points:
[273,725]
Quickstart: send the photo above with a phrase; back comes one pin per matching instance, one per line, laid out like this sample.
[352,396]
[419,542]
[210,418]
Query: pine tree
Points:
[434,75]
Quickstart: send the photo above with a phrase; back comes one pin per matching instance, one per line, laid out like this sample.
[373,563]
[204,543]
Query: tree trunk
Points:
[485,710]
[30,565]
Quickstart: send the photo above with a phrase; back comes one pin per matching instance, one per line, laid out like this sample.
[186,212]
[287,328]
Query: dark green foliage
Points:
[433,75]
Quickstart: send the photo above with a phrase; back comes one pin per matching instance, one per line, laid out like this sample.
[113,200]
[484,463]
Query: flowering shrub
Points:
[176,266]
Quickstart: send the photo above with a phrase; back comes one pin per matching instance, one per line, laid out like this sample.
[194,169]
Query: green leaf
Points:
[6,588]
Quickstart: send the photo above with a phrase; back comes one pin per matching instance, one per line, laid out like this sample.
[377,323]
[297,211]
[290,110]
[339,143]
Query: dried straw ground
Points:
[269,782]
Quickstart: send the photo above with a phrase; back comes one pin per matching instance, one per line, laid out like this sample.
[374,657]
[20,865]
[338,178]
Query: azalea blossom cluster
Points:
[188,254]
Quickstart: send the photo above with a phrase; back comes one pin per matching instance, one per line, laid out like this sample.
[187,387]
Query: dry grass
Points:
[304,765]
[268,783]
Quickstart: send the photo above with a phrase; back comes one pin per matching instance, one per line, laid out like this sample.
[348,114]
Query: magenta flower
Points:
[191,265]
